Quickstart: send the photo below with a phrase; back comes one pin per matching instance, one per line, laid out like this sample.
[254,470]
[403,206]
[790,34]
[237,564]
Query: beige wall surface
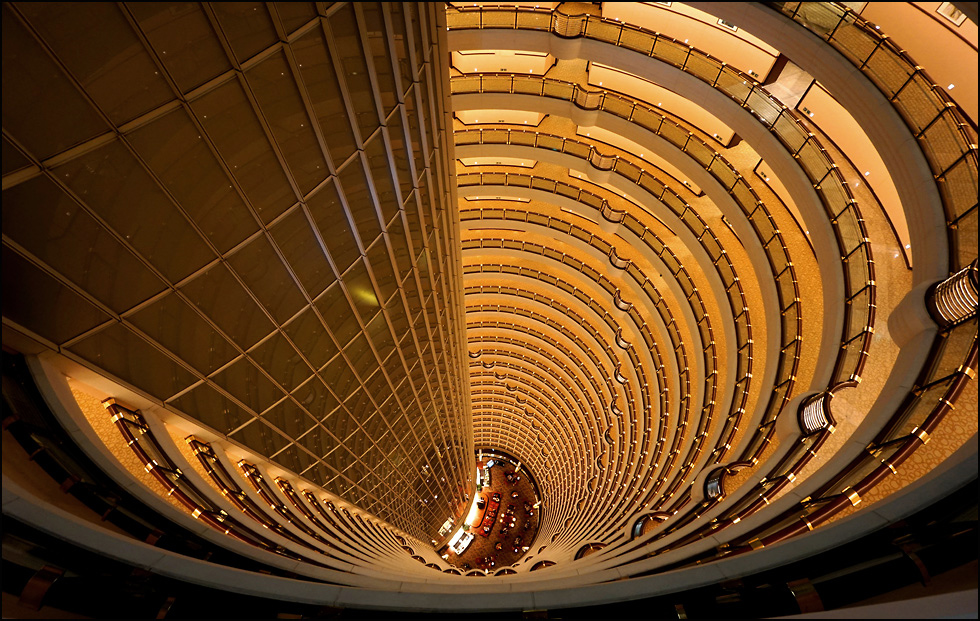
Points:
[490,61]
[772,180]
[948,58]
[738,48]
[847,134]
[515,117]
[967,30]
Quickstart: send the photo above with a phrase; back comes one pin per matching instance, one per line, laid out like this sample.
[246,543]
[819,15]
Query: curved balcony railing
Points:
[955,168]
[828,182]
[536,410]
[954,299]
[155,461]
[949,144]
[588,429]
[791,320]
[242,501]
[816,424]
[601,311]
[856,323]
[589,426]
[782,271]
[48,446]
[946,137]
[656,246]
[743,335]
[953,362]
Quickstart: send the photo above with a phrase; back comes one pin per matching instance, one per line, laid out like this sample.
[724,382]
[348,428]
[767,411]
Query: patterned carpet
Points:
[513,528]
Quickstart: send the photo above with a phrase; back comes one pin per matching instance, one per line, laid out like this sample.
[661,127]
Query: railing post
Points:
[779,116]
[957,161]
[745,102]
[929,125]
[831,34]
[864,63]
[915,70]
[797,153]
[721,70]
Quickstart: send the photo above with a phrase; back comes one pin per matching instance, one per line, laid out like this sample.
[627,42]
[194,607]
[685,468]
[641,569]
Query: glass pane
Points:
[959,187]
[182,37]
[111,181]
[90,37]
[261,438]
[358,196]
[308,334]
[889,70]
[274,87]
[262,271]
[221,298]
[75,244]
[247,26]
[36,301]
[244,381]
[281,360]
[346,34]
[337,312]
[38,99]
[296,240]
[230,122]
[193,176]
[965,240]
[123,354]
[290,419]
[173,323]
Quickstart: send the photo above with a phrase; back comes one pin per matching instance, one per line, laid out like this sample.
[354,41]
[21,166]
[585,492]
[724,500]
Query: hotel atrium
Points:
[298,296]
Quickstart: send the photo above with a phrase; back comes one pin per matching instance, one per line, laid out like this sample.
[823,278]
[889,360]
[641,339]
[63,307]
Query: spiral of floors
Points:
[641,344]
[658,369]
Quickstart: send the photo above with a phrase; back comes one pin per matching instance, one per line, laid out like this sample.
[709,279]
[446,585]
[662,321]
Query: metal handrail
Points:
[784,123]
[586,198]
[953,171]
[687,215]
[946,136]
[807,150]
[836,196]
